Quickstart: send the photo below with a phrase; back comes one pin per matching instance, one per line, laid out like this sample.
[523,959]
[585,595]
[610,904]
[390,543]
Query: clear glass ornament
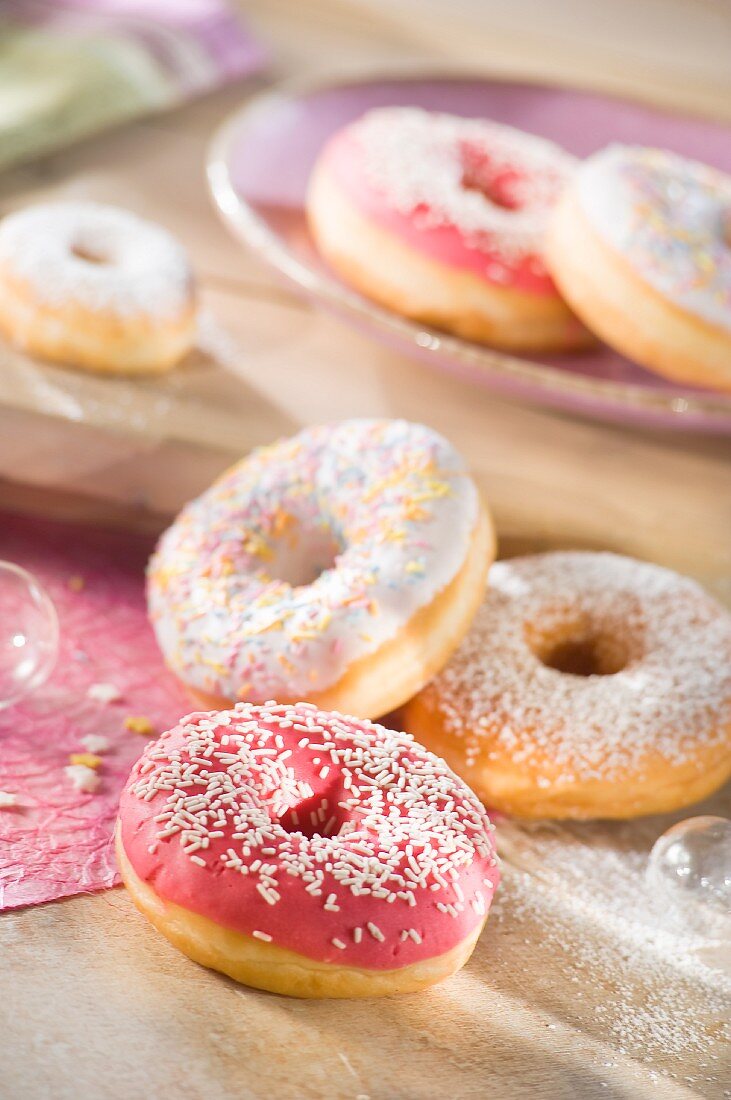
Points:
[691,865]
[28,634]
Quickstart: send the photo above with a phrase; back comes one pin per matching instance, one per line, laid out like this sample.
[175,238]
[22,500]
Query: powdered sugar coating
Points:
[643,970]
[672,695]
[470,192]
[321,833]
[308,555]
[100,257]
[669,218]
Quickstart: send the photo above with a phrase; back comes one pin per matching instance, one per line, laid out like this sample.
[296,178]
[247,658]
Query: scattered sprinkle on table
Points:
[104,693]
[85,759]
[95,743]
[82,777]
[139,724]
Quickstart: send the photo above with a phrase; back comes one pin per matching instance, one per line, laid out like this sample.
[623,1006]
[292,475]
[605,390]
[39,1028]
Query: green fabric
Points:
[55,89]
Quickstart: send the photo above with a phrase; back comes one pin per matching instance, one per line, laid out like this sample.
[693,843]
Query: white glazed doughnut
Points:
[442,219]
[639,246]
[341,566]
[96,287]
[590,685]
[306,852]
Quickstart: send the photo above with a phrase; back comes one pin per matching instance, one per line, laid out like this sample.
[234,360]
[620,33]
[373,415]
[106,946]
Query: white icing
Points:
[384,507]
[669,218]
[100,257]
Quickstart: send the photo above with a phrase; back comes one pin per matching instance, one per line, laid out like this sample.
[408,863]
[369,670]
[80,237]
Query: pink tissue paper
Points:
[56,841]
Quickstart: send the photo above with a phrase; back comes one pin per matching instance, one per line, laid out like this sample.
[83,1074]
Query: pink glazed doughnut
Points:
[307,853]
[442,219]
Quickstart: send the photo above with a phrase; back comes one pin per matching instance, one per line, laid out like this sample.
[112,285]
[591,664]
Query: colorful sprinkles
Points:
[308,555]
[669,217]
[139,723]
[386,875]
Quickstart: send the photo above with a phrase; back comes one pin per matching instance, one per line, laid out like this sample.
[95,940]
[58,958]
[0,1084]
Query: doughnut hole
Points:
[321,815]
[579,647]
[88,254]
[302,555]
[498,183]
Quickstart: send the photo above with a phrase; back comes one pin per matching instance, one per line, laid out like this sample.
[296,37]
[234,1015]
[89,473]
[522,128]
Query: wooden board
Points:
[95,1003]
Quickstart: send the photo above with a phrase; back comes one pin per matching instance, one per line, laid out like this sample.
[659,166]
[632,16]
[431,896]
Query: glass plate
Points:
[258,170]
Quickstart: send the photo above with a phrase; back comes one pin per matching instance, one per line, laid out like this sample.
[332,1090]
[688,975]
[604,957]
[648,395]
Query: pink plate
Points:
[258,171]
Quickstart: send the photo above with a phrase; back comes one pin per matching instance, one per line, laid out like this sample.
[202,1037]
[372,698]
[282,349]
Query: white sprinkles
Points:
[439,167]
[404,826]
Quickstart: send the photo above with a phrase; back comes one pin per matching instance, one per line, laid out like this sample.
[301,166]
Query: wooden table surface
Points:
[94,1003]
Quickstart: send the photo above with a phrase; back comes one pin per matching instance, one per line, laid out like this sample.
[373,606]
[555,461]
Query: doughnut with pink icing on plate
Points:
[442,219]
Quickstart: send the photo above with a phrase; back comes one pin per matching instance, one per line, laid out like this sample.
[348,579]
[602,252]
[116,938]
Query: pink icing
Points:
[464,222]
[327,835]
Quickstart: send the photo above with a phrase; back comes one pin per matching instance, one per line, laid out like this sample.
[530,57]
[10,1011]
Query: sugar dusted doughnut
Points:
[341,566]
[639,246]
[442,219]
[307,853]
[96,287]
[591,685]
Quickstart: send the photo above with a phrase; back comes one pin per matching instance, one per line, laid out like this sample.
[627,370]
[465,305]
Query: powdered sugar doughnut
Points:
[306,852]
[591,685]
[442,219]
[341,566]
[95,287]
[640,248]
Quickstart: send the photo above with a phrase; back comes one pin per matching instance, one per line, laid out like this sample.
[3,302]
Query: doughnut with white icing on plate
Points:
[591,685]
[640,246]
[442,219]
[307,853]
[95,287]
[341,566]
